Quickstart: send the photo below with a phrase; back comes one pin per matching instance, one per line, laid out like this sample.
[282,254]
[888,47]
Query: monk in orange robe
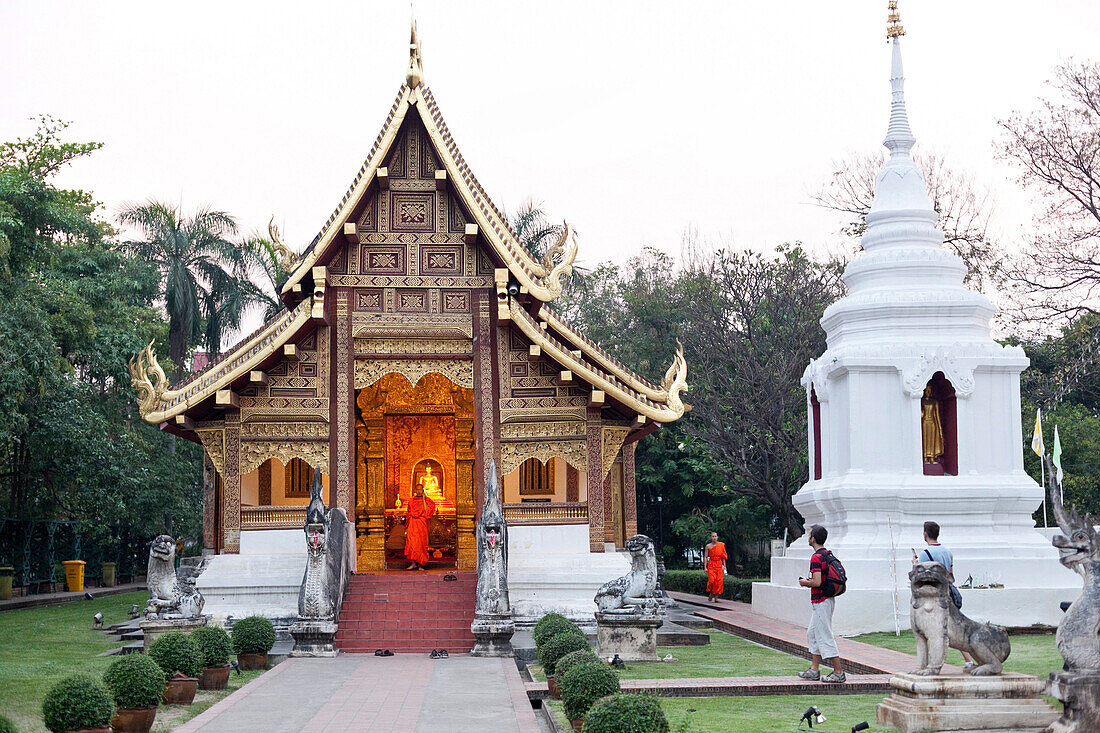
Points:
[716,567]
[420,509]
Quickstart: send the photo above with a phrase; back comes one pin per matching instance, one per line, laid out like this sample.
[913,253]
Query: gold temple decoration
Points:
[611,441]
[675,381]
[931,427]
[552,273]
[151,392]
[415,74]
[286,257]
[894,28]
[255,452]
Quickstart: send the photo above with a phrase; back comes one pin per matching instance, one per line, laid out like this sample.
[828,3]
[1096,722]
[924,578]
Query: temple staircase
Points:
[407,612]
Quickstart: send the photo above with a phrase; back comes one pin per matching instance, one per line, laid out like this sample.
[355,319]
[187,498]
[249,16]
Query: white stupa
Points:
[908,323]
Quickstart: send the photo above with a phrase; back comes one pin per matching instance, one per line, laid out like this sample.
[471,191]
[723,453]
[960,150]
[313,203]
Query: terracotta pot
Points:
[133,720]
[552,685]
[252,661]
[577,724]
[180,690]
[214,678]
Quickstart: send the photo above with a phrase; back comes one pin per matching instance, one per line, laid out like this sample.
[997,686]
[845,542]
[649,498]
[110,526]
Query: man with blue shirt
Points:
[935,552]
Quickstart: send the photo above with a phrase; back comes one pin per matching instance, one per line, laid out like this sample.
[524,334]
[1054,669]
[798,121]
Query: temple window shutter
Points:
[299,476]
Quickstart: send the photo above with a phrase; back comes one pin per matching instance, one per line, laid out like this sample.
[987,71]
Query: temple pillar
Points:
[596,537]
[486,391]
[630,493]
[231,483]
[370,513]
[209,505]
[342,437]
[609,508]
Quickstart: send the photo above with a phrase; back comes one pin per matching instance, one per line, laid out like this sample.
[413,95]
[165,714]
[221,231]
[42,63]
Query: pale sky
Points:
[633,120]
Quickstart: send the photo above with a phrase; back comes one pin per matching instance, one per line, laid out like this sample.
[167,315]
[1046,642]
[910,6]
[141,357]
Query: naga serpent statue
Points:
[169,595]
[1079,550]
[317,597]
[635,592]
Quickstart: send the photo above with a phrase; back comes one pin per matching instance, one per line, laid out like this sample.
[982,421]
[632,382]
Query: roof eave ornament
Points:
[551,273]
[415,75]
[286,257]
[150,381]
[675,382]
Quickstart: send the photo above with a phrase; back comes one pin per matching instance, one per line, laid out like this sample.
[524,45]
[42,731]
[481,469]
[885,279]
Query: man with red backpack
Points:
[827,580]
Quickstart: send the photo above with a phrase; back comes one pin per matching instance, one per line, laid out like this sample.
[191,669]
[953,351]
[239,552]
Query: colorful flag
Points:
[1037,436]
[1056,456]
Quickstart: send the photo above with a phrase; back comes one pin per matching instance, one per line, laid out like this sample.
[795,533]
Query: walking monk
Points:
[416,529]
[716,567]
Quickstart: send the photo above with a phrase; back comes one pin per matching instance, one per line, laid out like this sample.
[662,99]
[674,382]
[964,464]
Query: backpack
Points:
[835,580]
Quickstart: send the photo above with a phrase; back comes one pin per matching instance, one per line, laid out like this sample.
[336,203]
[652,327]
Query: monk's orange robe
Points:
[416,529]
[715,557]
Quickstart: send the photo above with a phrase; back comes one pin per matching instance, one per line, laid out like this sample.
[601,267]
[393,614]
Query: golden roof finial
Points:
[894,28]
[415,74]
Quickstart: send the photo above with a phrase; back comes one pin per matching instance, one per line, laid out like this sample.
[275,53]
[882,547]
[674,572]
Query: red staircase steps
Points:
[413,612]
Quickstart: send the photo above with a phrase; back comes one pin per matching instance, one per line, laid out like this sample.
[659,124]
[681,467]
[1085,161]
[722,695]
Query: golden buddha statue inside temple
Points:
[429,484]
[931,427]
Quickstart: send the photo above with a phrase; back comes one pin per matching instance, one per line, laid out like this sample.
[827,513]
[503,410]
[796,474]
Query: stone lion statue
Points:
[169,595]
[937,625]
[634,593]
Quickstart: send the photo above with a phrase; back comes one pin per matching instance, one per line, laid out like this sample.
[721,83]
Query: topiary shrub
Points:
[135,681]
[583,685]
[581,656]
[557,647]
[695,581]
[77,702]
[214,645]
[625,714]
[6,726]
[550,626]
[253,635]
[175,652]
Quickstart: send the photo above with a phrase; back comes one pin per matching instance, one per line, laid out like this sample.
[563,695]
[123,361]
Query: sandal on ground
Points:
[450,576]
[434,654]
[387,653]
[377,652]
[443,654]
[810,674]
[834,677]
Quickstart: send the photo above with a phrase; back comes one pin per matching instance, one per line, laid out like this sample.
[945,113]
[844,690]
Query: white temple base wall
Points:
[262,580]
[550,569]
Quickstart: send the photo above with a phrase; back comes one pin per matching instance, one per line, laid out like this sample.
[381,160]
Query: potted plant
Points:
[554,649]
[77,703]
[253,638]
[583,685]
[214,645]
[550,626]
[136,683]
[581,656]
[614,713]
[181,660]
[7,573]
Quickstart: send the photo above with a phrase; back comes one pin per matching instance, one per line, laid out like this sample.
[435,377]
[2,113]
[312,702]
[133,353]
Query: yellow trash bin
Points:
[74,574]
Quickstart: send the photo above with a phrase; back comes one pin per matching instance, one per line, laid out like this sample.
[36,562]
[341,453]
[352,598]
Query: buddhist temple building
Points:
[418,343]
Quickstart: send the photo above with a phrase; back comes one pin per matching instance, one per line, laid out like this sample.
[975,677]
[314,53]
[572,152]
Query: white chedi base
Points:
[550,569]
[986,525]
[262,580]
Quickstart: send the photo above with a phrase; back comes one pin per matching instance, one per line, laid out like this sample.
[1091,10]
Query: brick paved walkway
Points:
[738,619]
[406,692]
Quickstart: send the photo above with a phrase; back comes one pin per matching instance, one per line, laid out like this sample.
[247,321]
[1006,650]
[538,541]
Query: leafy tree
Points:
[201,272]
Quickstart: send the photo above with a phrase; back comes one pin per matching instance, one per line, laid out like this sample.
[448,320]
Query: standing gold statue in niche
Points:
[931,427]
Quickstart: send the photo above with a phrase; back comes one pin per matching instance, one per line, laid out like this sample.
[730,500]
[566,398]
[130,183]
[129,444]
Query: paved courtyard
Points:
[406,692]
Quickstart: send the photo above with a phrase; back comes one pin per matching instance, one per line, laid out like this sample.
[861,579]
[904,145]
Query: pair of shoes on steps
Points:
[450,576]
[834,677]
[810,674]
[383,653]
[439,654]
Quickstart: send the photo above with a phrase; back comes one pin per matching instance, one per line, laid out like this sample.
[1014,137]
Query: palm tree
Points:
[202,272]
[261,257]
[534,232]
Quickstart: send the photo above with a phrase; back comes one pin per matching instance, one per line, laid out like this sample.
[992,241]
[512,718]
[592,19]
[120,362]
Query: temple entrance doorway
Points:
[414,475]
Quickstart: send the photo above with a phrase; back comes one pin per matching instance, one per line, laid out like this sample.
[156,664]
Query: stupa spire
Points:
[899,138]
[415,74]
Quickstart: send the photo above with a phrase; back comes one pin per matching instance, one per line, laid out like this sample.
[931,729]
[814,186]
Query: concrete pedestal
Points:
[964,703]
[313,638]
[493,632]
[1080,694]
[154,627]
[633,638]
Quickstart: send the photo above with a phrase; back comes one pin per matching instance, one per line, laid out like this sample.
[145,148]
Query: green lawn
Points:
[779,714]
[1031,653]
[39,646]
[725,656]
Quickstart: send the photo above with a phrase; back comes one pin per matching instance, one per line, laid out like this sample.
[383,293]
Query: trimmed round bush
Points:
[550,626]
[77,702]
[176,652]
[253,635]
[581,656]
[557,647]
[135,681]
[214,644]
[625,714]
[6,726]
[583,685]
